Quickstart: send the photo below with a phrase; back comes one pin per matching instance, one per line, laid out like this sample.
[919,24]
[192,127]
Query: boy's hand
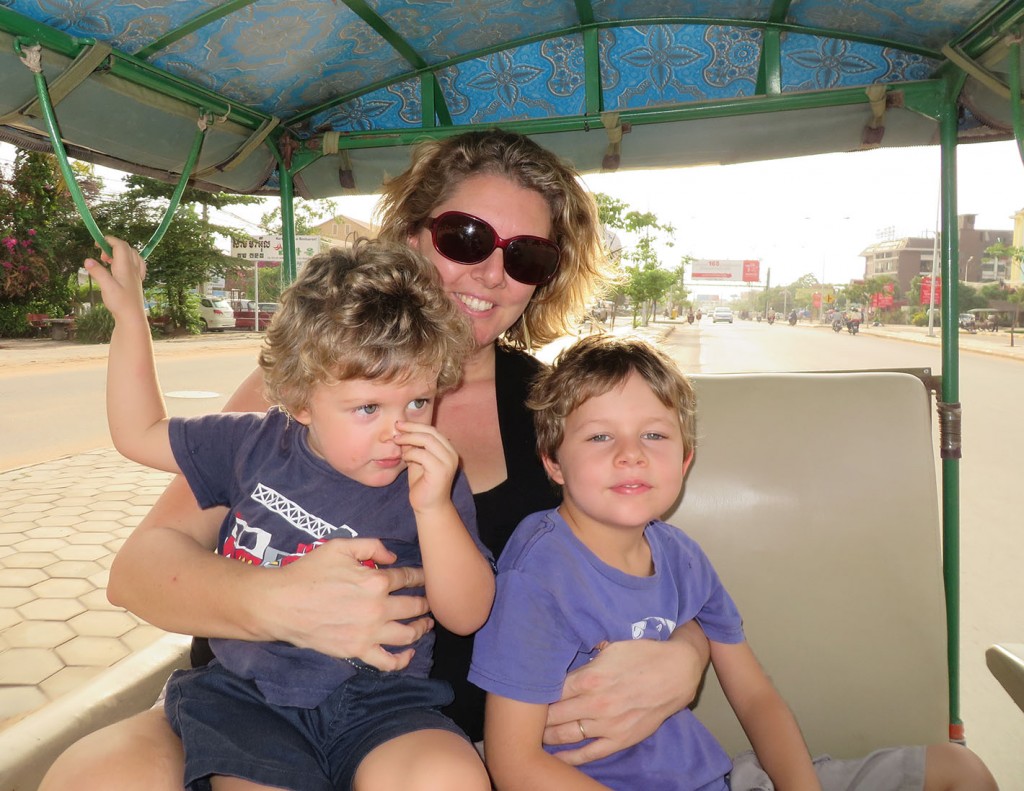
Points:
[432,464]
[121,284]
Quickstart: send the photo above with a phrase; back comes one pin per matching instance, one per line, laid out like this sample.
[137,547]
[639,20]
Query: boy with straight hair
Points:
[616,430]
[362,344]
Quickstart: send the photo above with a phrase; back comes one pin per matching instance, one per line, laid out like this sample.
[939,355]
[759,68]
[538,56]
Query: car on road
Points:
[245,313]
[721,314]
[216,314]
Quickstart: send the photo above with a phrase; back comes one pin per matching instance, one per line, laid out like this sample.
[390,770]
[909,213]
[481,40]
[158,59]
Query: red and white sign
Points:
[926,290]
[748,271]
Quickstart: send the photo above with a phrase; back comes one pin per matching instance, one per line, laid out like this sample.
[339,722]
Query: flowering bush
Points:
[22,268]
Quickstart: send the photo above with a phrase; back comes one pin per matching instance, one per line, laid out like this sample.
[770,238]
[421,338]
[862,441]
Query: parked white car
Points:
[216,314]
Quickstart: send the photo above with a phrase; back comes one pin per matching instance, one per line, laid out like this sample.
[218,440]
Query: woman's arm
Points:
[514,755]
[166,572]
[627,692]
[765,717]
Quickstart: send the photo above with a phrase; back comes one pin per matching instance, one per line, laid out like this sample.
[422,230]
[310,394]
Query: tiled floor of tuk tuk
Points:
[62,523]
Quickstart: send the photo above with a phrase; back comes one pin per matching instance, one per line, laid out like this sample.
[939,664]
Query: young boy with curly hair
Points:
[362,345]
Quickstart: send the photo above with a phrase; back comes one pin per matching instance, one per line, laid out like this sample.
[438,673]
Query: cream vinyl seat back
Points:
[815,497]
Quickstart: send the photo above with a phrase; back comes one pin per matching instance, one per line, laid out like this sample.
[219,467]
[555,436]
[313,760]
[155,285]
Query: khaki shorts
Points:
[891,769]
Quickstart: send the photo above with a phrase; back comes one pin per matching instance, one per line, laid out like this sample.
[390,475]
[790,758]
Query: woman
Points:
[517,242]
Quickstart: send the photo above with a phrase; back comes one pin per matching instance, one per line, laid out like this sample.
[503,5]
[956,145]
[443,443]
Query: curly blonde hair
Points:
[592,367]
[377,311]
[440,166]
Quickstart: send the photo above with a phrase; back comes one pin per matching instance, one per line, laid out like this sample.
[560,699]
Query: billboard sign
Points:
[926,290]
[271,248]
[748,271]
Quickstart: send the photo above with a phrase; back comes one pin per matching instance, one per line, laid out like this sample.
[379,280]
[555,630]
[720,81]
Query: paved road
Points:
[52,394]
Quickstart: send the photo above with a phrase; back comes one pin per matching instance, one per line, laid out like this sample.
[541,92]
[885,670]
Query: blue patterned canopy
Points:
[342,88]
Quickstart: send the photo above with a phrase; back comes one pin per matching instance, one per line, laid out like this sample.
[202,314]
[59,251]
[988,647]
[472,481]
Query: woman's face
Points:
[484,292]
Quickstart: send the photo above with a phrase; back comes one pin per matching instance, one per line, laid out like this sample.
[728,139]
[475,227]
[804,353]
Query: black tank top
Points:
[498,511]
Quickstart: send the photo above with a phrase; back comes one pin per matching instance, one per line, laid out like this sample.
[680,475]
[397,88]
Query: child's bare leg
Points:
[139,752]
[224,783]
[950,767]
[432,760]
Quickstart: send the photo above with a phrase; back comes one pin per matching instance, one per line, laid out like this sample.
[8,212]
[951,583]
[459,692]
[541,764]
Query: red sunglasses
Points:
[465,239]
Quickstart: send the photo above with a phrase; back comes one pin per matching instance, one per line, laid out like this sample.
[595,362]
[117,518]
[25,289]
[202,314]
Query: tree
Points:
[186,257]
[37,214]
[144,188]
[645,280]
[308,214]
[1016,256]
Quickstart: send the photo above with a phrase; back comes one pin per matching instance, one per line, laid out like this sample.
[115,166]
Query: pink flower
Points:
[31,231]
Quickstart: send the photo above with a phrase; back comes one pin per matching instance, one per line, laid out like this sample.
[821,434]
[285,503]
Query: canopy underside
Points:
[342,89]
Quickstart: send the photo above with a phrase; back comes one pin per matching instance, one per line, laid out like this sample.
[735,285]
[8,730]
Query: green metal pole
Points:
[949,409]
[287,193]
[21,47]
[1015,108]
[186,172]
[53,129]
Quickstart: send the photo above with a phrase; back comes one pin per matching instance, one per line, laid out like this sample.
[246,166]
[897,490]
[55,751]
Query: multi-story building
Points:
[906,258]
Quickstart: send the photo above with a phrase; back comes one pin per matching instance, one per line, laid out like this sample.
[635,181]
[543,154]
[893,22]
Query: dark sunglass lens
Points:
[531,261]
[463,239]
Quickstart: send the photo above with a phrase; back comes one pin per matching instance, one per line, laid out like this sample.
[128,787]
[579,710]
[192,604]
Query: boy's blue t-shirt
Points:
[284,501]
[556,601]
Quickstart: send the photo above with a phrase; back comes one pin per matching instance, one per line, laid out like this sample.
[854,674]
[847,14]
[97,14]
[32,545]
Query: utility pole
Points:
[767,287]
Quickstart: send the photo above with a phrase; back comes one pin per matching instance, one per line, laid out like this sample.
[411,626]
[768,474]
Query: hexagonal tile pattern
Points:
[38,634]
[57,541]
[103,624]
[92,651]
[15,701]
[51,609]
[28,665]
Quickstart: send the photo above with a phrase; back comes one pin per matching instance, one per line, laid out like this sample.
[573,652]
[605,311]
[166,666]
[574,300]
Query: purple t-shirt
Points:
[556,601]
[285,501]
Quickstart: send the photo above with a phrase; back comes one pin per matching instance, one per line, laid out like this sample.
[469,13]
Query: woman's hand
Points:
[330,602]
[626,693]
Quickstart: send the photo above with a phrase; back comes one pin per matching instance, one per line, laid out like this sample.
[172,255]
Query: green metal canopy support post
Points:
[950,409]
[1015,109]
[287,193]
[31,56]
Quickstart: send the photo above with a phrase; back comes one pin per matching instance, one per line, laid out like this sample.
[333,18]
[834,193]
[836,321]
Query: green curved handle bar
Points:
[53,129]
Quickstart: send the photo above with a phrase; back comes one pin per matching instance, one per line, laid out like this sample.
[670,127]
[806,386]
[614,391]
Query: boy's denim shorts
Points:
[227,728]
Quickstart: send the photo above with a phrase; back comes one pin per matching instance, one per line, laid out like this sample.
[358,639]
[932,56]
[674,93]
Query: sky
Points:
[798,216]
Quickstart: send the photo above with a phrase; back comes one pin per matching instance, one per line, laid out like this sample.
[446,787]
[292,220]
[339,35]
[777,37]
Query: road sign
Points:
[747,271]
[926,290]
